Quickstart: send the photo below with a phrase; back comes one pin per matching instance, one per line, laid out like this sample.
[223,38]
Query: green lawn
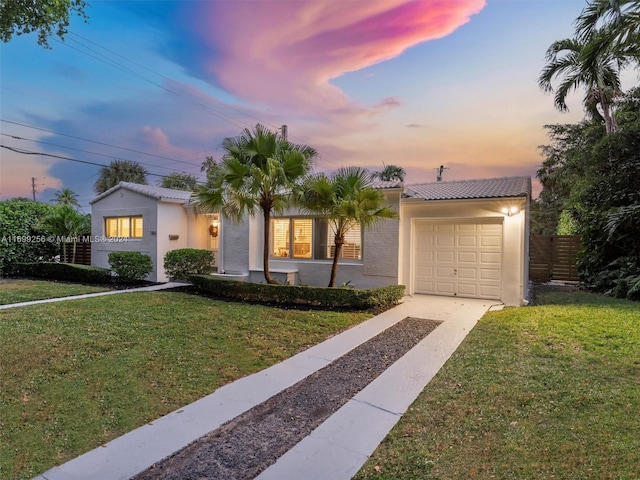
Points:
[74,375]
[550,391]
[16,291]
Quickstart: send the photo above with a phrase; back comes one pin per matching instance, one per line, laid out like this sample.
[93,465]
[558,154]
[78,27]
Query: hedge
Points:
[335,297]
[180,263]
[63,271]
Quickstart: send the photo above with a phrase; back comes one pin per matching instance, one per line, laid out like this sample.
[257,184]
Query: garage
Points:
[459,257]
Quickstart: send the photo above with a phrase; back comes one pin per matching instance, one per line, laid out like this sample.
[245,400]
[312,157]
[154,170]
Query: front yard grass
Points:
[17,291]
[550,391]
[76,374]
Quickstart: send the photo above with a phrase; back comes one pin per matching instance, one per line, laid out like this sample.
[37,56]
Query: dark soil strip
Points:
[248,444]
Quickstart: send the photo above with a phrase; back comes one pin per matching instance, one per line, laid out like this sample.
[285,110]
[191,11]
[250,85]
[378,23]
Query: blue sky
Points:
[412,83]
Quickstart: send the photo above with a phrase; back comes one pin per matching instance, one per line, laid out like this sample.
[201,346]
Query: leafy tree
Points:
[390,173]
[120,171]
[43,16]
[66,197]
[347,199]
[64,221]
[564,173]
[257,173]
[600,176]
[20,219]
[180,181]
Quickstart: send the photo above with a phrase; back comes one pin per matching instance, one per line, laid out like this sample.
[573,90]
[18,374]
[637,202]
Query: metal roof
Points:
[470,189]
[159,193]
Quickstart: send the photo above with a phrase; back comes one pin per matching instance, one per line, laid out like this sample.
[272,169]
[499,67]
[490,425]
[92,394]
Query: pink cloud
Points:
[154,137]
[285,53]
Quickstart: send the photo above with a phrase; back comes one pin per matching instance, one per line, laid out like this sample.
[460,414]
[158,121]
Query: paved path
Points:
[337,448]
[153,288]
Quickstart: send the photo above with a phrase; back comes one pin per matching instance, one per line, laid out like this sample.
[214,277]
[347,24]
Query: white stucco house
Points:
[459,238]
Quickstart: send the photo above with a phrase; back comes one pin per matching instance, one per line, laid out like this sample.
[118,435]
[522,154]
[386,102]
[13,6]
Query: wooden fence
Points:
[83,253]
[554,257]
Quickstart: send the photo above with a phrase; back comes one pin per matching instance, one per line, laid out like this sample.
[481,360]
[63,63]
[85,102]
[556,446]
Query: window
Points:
[302,236]
[280,235]
[126,227]
[311,238]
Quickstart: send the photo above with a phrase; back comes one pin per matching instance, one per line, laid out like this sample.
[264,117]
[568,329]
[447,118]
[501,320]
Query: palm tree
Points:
[257,173]
[66,196]
[620,19]
[120,171]
[390,173]
[347,199]
[66,222]
[600,78]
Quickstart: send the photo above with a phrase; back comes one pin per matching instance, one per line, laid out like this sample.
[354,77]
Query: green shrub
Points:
[180,263]
[336,297]
[22,237]
[63,271]
[130,266]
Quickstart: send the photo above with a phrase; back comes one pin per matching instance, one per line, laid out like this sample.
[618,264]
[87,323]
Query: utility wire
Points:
[110,62]
[15,137]
[161,75]
[86,162]
[217,113]
[99,143]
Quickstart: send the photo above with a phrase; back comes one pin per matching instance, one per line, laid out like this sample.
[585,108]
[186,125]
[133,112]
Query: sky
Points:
[417,84]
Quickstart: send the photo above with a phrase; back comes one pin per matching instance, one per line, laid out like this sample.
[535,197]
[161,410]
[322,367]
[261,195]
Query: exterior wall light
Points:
[213,228]
[510,211]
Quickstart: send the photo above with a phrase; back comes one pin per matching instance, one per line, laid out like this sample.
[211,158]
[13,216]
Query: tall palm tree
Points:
[347,199]
[120,171]
[257,174]
[620,19]
[66,196]
[600,78]
[390,173]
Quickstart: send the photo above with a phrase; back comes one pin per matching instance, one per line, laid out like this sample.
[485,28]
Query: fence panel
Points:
[554,257]
[83,253]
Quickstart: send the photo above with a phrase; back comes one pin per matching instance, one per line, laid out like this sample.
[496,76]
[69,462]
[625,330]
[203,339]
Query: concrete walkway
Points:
[338,447]
[152,288]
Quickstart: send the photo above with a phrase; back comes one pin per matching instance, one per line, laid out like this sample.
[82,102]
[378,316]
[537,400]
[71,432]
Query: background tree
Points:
[347,199]
[257,174]
[597,177]
[120,171]
[180,181]
[390,173]
[66,196]
[47,17]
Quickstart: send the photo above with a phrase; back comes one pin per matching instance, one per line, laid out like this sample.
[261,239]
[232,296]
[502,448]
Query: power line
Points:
[98,143]
[159,74]
[86,162]
[111,62]
[85,151]
[206,107]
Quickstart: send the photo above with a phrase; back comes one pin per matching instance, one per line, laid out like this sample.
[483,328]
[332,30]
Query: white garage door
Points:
[463,259]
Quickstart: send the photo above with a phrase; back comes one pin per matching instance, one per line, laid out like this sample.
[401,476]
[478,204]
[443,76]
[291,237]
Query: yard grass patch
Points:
[77,374]
[541,392]
[17,291]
